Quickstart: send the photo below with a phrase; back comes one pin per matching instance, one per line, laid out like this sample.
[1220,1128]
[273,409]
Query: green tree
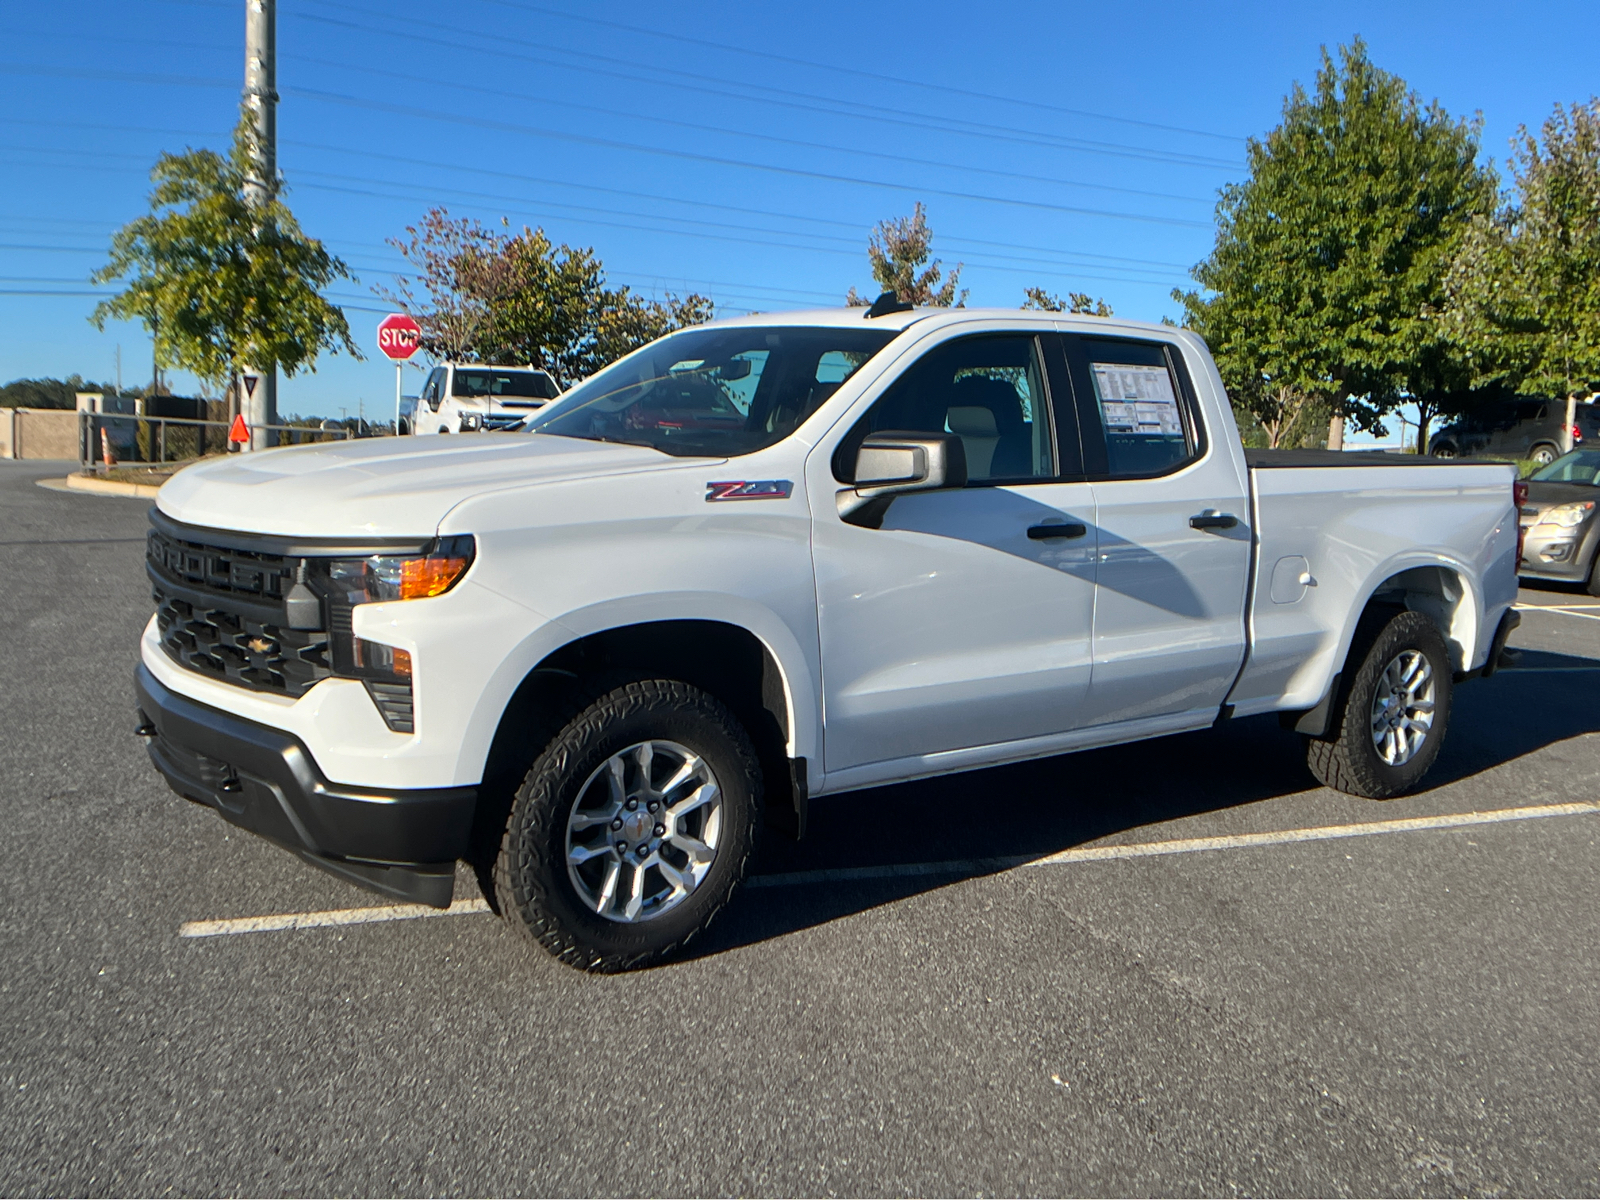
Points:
[47,393]
[218,282]
[1329,267]
[458,266]
[482,295]
[901,254]
[1525,289]
[1079,303]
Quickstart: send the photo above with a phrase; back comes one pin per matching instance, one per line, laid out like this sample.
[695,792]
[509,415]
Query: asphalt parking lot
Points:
[1403,1001]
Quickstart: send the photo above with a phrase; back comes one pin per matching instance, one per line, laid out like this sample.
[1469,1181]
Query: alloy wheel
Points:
[1402,708]
[643,832]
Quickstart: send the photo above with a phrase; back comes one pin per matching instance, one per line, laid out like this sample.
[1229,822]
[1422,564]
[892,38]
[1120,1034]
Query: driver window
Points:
[989,391]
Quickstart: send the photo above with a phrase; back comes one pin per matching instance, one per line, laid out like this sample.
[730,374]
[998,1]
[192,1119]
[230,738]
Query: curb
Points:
[100,487]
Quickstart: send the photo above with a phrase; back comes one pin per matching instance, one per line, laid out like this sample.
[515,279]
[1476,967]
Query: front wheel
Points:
[1395,713]
[632,829]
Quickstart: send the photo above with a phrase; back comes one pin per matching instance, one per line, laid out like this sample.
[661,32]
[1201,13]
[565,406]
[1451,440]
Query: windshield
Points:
[1580,466]
[474,381]
[714,392]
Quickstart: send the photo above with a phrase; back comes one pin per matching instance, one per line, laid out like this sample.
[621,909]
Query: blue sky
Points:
[744,151]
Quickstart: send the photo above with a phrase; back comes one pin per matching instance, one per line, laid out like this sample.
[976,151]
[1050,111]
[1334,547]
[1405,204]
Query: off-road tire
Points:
[1347,760]
[532,888]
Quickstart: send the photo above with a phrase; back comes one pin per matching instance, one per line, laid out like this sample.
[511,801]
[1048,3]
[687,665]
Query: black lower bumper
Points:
[400,843]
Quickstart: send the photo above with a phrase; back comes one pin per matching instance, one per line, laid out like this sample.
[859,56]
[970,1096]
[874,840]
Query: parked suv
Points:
[1561,535]
[1524,428]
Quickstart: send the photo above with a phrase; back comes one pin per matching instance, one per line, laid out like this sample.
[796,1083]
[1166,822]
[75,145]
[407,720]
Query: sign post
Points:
[398,337]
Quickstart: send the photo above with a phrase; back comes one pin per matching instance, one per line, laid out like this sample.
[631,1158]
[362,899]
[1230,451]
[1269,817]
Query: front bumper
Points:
[1549,553]
[403,844]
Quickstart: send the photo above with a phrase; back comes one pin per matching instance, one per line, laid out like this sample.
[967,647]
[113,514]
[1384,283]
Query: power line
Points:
[608,143]
[854,228]
[942,88]
[717,160]
[585,215]
[762,93]
[503,94]
[813,102]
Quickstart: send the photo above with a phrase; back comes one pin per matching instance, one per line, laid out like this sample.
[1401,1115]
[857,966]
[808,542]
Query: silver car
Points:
[1561,537]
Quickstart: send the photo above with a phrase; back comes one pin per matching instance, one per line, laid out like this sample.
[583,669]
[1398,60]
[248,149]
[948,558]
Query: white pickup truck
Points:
[780,557]
[478,397]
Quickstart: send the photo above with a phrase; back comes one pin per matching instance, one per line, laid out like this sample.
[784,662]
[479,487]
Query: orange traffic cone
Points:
[109,458]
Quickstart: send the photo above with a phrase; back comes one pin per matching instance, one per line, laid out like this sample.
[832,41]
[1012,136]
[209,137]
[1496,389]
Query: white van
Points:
[467,397]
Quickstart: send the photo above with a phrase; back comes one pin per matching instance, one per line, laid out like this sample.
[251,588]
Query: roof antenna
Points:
[888,303]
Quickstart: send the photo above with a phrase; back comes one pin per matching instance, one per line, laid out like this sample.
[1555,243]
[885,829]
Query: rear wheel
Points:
[632,829]
[1443,450]
[1395,713]
[1544,454]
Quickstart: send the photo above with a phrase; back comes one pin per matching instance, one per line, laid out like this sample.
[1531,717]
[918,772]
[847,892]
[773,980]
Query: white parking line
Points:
[320,920]
[1561,610]
[1235,841]
[970,866]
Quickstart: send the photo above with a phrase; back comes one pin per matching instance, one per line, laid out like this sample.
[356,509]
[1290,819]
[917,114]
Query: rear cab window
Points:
[1135,405]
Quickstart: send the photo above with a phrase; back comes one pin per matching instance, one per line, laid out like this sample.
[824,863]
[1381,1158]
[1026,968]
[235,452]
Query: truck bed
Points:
[1351,533]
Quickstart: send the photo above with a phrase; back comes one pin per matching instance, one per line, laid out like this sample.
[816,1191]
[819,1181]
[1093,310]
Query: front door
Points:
[965,620]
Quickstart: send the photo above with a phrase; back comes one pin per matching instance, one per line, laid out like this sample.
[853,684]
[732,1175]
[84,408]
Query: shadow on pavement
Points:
[1038,808]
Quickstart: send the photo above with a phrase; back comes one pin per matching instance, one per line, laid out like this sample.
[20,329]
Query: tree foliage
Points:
[1329,267]
[481,295]
[48,393]
[1525,289]
[218,282]
[1078,303]
[901,254]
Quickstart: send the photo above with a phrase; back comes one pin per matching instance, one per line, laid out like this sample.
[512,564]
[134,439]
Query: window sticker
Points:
[1135,399]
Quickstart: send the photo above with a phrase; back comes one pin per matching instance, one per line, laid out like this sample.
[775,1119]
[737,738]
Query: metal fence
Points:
[149,441]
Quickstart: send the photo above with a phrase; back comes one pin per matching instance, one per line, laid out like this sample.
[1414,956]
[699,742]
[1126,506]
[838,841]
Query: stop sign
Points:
[399,336]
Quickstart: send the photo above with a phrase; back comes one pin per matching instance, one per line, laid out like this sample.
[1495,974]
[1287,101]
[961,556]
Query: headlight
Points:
[1567,516]
[393,577]
[347,582]
[470,422]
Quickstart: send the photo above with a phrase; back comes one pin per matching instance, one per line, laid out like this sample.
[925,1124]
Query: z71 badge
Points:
[749,489]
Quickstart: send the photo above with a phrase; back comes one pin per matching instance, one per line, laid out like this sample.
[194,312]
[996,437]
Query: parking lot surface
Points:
[925,996]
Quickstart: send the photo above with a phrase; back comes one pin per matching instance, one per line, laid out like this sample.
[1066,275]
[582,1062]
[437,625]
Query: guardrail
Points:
[153,440]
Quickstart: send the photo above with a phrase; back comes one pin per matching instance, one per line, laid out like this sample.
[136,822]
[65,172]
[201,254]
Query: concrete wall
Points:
[38,433]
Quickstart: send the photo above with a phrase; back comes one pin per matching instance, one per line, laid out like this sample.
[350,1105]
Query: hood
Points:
[1543,495]
[383,487]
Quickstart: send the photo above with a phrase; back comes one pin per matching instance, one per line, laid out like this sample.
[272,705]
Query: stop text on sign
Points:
[399,336]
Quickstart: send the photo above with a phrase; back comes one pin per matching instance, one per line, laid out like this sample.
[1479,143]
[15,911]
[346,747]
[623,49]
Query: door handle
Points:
[1040,533]
[1213,520]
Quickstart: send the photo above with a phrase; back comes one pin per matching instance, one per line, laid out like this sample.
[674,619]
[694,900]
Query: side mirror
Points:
[890,464]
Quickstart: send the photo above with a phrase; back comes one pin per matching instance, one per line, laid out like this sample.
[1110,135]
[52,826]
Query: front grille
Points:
[219,612]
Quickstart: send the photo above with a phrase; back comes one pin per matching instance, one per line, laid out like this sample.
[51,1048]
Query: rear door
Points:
[1174,532]
[965,619]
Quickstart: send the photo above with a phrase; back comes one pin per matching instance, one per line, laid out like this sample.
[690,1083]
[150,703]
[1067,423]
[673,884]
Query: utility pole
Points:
[261,185]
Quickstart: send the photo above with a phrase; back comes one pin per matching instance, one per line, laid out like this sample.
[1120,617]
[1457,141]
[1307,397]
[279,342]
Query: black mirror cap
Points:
[886,303]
